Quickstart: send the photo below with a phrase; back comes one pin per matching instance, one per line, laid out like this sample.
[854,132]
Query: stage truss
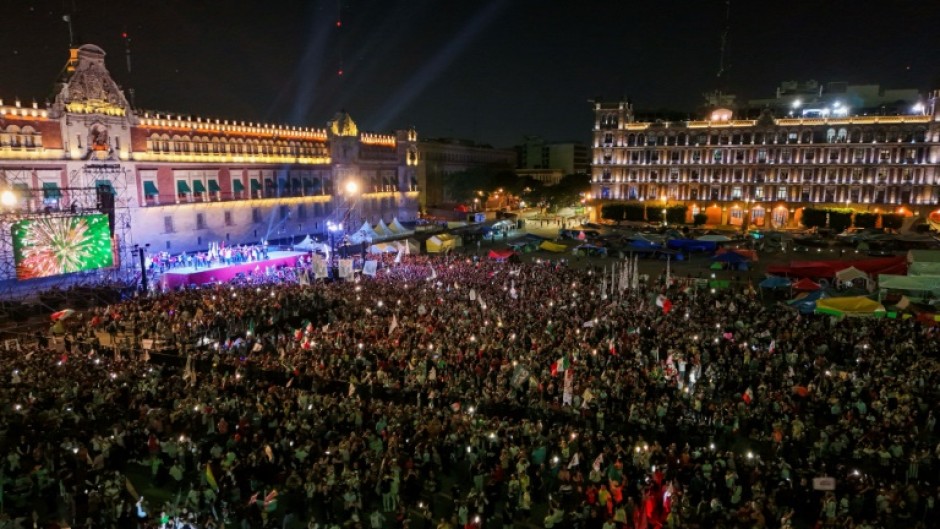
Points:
[80,197]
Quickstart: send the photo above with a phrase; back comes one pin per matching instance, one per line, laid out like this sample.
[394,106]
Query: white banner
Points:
[569,387]
[319,267]
[345,268]
[369,268]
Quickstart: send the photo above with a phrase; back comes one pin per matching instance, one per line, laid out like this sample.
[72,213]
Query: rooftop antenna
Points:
[127,55]
[67,18]
[724,41]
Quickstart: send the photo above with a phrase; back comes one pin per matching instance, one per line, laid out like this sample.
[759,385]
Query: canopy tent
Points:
[309,245]
[828,269]
[382,229]
[923,262]
[751,255]
[775,282]
[552,246]
[384,247]
[501,255]
[909,283]
[691,245]
[730,257]
[441,243]
[847,275]
[364,234]
[857,306]
[806,302]
[714,238]
[806,285]
[396,227]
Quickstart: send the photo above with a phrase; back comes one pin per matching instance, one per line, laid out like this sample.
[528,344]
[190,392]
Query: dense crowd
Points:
[453,393]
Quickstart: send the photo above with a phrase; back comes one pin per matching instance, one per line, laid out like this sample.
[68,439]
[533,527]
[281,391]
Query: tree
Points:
[839,220]
[814,218]
[892,221]
[676,214]
[866,220]
[568,191]
[699,219]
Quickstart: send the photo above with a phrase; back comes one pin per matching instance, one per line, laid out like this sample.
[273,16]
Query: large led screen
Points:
[49,246]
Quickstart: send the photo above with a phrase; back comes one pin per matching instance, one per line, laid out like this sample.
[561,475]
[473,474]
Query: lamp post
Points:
[332,229]
[142,254]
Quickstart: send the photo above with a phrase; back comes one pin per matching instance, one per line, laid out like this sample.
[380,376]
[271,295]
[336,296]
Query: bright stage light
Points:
[352,187]
[8,198]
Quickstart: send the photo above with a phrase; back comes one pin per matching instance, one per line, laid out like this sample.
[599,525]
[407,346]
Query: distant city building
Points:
[442,158]
[535,157]
[813,99]
[179,183]
[764,171]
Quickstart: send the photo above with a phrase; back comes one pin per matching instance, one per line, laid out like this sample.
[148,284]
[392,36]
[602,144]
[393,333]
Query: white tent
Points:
[364,234]
[309,245]
[847,275]
[409,246]
[382,229]
[396,227]
[384,247]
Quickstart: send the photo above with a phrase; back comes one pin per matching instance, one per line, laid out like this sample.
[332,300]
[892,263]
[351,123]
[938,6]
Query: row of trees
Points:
[640,213]
[839,219]
[481,182]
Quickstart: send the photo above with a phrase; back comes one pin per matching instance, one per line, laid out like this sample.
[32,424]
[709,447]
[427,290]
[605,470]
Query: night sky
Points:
[488,70]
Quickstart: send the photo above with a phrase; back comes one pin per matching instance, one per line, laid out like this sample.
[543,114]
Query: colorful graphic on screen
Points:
[51,246]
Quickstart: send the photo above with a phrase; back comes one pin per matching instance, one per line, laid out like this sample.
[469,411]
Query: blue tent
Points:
[692,245]
[807,304]
[774,282]
[730,257]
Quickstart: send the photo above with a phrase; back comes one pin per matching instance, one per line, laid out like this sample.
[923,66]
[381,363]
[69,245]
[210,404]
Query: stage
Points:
[189,275]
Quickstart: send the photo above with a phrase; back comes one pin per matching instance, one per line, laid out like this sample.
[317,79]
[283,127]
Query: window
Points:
[198,241]
[168,224]
[885,155]
[738,175]
[784,155]
[302,212]
[791,137]
[674,175]
[675,156]
[782,193]
[256,215]
[761,155]
[717,155]
[696,155]
[228,218]
[759,193]
[735,192]
[809,155]
[608,138]
[167,245]
[807,175]
[635,156]
[200,221]
[783,175]
[859,155]
[285,212]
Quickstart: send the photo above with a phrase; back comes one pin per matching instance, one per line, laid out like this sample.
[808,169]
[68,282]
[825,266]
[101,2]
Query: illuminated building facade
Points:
[179,183]
[763,171]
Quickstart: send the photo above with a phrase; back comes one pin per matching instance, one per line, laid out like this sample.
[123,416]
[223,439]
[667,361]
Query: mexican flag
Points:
[560,365]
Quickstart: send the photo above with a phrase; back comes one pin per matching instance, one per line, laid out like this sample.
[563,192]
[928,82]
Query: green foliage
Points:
[814,218]
[634,212]
[699,219]
[676,214]
[622,211]
[654,214]
[839,220]
[892,221]
[866,220]
[568,191]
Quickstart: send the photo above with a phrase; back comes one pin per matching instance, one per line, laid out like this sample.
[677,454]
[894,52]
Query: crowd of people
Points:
[447,392]
[218,254]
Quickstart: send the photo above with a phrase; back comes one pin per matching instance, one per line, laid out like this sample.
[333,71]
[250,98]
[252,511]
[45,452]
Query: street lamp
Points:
[332,229]
[142,254]
[7,198]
